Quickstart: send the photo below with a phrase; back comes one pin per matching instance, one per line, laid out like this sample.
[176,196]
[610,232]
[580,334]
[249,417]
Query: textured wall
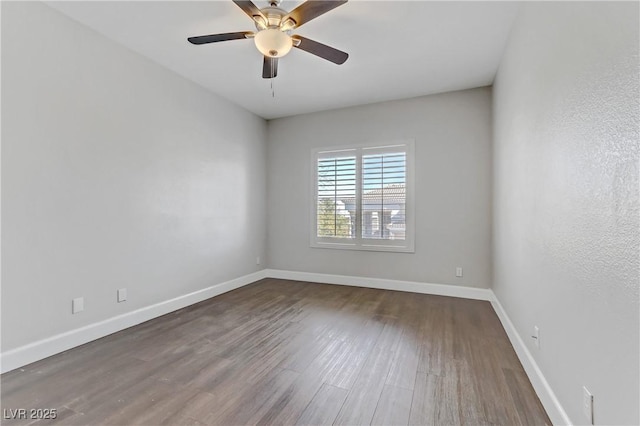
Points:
[115,173]
[566,239]
[452,134]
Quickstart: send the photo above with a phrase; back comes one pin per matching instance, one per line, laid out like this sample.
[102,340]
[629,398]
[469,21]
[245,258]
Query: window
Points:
[363,197]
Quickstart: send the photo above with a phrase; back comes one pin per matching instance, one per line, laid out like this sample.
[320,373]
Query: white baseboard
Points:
[554,409]
[44,348]
[384,284]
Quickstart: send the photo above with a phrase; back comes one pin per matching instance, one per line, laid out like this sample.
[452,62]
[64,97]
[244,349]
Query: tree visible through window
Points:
[331,223]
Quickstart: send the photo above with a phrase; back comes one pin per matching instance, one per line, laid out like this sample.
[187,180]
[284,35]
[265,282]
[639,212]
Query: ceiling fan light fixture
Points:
[273,43]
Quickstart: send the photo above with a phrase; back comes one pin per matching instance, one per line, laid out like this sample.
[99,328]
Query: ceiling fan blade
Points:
[311,9]
[250,9]
[269,67]
[214,38]
[322,50]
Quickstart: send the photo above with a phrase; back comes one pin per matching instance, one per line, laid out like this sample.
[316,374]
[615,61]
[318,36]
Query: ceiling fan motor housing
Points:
[274,17]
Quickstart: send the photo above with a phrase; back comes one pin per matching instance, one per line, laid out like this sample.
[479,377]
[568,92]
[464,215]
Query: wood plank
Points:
[470,409]
[362,400]
[254,402]
[404,366]
[292,403]
[324,407]
[448,408]
[424,403]
[527,404]
[341,361]
[393,407]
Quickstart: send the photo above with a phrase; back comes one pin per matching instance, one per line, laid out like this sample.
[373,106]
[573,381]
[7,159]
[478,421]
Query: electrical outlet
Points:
[587,404]
[459,271]
[77,305]
[122,295]
[536,336]
[258,260]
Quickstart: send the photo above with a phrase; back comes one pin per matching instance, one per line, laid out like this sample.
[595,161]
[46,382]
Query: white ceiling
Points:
[397,49]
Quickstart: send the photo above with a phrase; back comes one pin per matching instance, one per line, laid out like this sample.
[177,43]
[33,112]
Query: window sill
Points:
[363,247]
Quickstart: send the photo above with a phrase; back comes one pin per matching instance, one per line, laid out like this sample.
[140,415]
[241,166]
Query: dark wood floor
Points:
[285,352]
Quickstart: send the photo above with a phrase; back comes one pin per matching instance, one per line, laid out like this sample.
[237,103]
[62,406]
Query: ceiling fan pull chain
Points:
[273,93]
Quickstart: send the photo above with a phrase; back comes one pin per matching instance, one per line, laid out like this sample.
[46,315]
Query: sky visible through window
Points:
[381,170]
[337,176]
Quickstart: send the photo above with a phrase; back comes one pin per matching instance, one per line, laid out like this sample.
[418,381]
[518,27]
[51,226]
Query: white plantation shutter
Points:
[336,182]
[384,194]
[363,198]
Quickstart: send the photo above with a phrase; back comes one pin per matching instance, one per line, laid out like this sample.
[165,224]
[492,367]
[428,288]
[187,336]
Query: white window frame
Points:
[358,243]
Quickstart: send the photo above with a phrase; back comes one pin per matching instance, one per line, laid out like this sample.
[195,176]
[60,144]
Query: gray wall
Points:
[453,190]
[566,199]
[115,173]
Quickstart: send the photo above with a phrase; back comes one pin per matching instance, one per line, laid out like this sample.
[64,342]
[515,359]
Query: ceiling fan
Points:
[274,25]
